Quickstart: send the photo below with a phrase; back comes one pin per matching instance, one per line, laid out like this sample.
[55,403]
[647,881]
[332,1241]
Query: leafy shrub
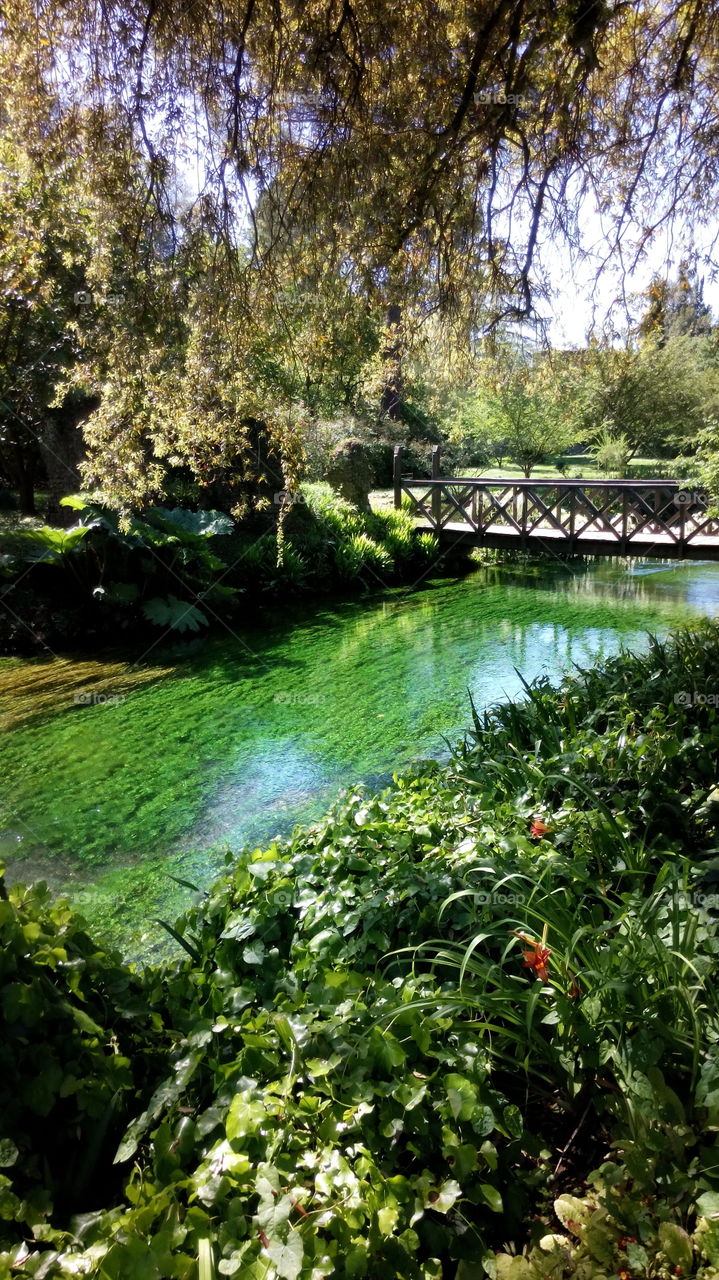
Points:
[104,573]
[612,453]
[415,1031]
[415,460]
[352,545]
[76,1048]
[362,553]
[179,570]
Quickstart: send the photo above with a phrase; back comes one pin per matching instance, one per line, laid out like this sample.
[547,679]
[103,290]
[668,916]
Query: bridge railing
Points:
[601,511]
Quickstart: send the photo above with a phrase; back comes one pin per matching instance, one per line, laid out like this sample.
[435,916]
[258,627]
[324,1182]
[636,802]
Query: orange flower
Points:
[537,957]
[538,829]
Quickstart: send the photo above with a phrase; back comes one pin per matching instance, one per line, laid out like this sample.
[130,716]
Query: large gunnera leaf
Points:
[174,613]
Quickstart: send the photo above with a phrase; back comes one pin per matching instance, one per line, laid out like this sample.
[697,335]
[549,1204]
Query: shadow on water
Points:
[118,776]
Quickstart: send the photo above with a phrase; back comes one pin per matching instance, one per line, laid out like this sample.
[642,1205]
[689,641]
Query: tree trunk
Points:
[392,393]
[19,464]
[63,447]
[26,491]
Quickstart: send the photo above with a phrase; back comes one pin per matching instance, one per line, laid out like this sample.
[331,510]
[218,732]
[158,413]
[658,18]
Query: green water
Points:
[117,775]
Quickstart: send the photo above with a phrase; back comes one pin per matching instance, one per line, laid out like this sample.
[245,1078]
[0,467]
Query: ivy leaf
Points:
[286,1256]
[82,1019]
[168,1092]
[254,954]
[273,1214]
[461,1095]
[239,926]
[443,1197]
[491,1197]
[708,1204]
[8,1153]
[245,1116]
[512,1117]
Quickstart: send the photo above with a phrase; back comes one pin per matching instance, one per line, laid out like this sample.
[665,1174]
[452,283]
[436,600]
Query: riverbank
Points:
[126,774]
[179,572]
[179,575]
[476,1010]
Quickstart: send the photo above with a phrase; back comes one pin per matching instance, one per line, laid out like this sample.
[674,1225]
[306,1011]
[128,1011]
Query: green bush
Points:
[612,453]
[160,570]
[413,1034]
[77,1046]
[104,574]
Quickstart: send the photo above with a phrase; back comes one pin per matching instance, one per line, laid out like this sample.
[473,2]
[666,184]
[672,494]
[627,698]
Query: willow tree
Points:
[44,253]
[421,153]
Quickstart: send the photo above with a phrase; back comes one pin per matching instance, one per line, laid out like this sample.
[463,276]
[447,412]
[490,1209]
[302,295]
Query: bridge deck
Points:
[656,545]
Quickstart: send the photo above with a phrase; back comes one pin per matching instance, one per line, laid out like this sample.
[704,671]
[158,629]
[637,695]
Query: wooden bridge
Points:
[646,518]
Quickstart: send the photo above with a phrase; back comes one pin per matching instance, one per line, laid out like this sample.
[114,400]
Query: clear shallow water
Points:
[116,777]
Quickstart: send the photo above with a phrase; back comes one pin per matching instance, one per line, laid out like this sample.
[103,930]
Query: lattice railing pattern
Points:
[617,511]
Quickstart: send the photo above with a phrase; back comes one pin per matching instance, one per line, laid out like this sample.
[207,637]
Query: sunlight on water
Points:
[116,778]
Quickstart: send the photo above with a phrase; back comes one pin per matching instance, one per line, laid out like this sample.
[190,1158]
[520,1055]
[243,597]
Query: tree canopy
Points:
[428,142]
[293,202]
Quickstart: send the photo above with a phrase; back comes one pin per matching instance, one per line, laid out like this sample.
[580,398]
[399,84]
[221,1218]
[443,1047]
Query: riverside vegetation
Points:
[464,1027]
[176,570]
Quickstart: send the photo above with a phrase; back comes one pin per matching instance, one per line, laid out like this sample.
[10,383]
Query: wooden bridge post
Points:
[397,476]
[436,489]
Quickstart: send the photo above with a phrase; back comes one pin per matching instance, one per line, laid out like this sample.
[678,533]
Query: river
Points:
[119,774]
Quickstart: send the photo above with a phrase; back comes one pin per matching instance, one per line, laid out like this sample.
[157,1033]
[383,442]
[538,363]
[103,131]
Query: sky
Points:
[578,300]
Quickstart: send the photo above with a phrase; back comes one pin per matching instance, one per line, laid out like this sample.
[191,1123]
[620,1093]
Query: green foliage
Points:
[657,396]
[676,308]
[619,1227]
[175,614]
[611,454]
[104,572]
[44,255]
[205,524]
[518,409]
[701,464]
[329,544]
[77,1046]
[179,570]
[46,544]
[306,1094]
